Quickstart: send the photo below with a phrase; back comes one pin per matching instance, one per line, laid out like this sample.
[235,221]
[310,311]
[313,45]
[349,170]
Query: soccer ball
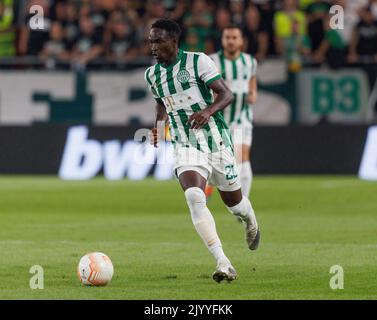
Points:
[95,269]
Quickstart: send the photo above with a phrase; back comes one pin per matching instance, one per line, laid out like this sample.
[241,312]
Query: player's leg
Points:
[242,135]
[193,183]
[225,176]
[246,174]
[239,205]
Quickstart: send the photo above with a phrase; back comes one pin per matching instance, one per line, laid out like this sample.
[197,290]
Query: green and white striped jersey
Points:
[237,74]
[183,88]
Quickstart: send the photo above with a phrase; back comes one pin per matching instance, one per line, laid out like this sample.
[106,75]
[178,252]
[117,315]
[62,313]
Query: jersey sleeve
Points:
[207,69]
[147,79]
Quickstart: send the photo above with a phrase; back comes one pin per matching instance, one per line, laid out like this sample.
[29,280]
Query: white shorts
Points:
[218,168]
[242,133]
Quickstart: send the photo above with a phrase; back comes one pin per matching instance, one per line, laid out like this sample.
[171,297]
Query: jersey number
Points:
[230,174]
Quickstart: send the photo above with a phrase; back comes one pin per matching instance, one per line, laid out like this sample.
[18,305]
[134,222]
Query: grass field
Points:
[308,224]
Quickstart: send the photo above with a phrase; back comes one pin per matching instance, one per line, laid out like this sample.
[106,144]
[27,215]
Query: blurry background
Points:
[69,88]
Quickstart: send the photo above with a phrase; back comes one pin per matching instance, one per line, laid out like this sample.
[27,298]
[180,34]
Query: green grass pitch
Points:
[308,224]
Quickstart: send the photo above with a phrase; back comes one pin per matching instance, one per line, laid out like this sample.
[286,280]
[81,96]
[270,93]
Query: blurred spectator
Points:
[296,48]
[198,23]
[351,17]
[193,41]
[121,44]
[118,29]
[373,7]
[154,10]
[128,10]
[256,37]
[100,11]
[59,10]
[84,9]
[363,45]
[89,43]
[31,41]
[267,9]
[222,20]
[71,25]
[316,15]
[288,21]
[178,12]
[237,11]
[7,30]
[55,48]
[332,48]
[303,4]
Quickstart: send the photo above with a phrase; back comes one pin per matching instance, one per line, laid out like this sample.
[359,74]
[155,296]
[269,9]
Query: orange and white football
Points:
[95,269]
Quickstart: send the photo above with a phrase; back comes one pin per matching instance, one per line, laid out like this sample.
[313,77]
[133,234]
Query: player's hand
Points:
[154,137]
[199,119]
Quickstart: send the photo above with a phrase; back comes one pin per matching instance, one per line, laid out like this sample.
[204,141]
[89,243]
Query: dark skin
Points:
[164,48]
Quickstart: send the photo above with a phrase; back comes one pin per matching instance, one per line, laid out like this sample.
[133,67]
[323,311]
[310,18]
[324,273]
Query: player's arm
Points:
[253,86]
[223,98]
[159,124]
[160,113]
[253,90]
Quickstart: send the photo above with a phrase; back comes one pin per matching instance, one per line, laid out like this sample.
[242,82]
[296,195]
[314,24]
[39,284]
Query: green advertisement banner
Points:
[334,96]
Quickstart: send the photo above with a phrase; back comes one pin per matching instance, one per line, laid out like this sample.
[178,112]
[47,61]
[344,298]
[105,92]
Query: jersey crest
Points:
[183,76]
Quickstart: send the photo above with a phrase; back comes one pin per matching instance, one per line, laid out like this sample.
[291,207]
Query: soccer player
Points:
[182,83]
[239,71]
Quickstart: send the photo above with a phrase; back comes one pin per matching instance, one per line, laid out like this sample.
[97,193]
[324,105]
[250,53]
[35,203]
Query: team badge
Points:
[183,76]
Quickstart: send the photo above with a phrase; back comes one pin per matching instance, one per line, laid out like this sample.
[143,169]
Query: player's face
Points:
[163,47]
[232,40]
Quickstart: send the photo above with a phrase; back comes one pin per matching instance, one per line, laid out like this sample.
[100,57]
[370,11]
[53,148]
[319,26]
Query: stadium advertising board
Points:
[339,96]
[106,98]
[99,98]
[84,158]
[82,152]
[368,166]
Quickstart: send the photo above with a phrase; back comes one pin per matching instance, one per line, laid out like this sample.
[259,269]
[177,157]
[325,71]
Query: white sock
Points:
[204,222]
[246,177]
[245,211]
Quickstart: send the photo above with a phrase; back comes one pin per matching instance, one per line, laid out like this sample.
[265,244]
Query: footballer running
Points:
[238,69]
[182,84]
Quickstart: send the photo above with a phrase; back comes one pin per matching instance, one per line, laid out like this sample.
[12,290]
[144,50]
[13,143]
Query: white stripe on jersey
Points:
[237,74]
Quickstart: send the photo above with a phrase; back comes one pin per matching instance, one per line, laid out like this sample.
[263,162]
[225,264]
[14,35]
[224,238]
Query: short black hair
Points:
[232,26]
[170,26]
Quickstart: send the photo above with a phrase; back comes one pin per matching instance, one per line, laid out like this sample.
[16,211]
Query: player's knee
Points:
[195,197]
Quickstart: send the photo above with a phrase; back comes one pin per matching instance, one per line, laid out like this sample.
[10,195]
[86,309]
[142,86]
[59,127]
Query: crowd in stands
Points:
[116,31]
